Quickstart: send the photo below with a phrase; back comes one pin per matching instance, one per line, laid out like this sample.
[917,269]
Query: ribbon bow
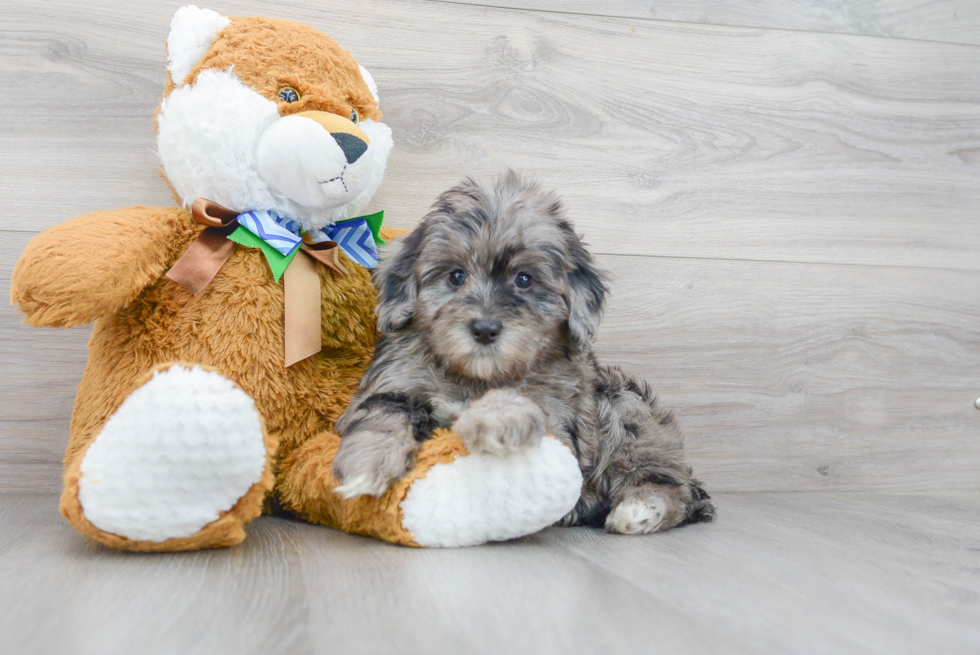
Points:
[280,240]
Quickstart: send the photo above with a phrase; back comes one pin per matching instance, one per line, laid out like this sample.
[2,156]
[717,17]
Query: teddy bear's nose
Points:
[352,146]
[351,138]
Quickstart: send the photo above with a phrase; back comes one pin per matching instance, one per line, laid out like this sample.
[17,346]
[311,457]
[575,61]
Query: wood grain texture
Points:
[949,21]
[785,376]
[791,217]
[694,141]
[778,573]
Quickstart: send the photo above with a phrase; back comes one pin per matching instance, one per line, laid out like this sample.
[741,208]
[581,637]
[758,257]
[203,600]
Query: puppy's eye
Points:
[288,94]
[523,281]
[457,277]
[354,116]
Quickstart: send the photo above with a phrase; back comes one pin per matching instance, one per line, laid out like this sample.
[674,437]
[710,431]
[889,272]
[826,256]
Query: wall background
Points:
[789,200]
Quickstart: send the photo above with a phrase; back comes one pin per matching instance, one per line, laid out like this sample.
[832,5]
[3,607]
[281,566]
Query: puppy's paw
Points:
[502,421]
[640,514]
[368,461]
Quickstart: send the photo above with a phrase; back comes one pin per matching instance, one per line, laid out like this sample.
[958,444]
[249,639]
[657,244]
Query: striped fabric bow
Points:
[280,240]
[357,237]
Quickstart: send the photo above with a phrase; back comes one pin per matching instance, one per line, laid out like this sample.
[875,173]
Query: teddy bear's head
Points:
[264,114]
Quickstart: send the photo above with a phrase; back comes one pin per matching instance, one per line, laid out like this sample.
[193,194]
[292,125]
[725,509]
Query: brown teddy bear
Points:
[231,329]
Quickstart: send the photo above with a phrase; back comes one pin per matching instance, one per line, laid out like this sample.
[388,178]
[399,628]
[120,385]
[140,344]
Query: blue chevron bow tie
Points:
[357,237]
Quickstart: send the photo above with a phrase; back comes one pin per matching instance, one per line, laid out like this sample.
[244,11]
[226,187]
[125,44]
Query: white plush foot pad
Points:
[481,498]
[181,449]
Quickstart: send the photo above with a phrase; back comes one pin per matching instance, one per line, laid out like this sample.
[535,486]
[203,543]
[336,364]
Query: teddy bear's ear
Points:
[370,83]
[192,31]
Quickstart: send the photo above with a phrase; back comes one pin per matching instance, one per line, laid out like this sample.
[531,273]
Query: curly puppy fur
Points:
[487,312]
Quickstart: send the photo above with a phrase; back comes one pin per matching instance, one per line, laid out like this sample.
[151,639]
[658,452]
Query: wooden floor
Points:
[786,192]
[788,195]
[778,573]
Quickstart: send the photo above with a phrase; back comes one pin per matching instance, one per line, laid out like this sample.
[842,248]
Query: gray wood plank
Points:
[697,158]
[296,588]
[809,572]
[785,376]
[665,138]
[792,376]
[950,21]
[802,573]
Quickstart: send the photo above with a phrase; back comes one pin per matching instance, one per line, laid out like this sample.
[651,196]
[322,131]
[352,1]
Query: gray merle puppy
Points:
[487,312]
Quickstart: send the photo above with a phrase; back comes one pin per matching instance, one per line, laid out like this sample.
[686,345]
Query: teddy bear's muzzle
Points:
[351,139]
[307,157]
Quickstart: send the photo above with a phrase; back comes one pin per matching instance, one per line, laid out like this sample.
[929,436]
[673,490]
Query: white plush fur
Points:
[301,161]
[219,139]
[369,80]
[480,498]
[209,143]
[192,31]
[181,449]
[208,132]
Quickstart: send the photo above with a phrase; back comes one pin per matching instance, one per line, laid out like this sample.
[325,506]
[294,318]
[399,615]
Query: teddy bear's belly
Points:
[235,326]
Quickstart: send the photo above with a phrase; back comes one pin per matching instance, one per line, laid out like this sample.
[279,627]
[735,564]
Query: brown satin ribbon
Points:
[301,280]
[209,252]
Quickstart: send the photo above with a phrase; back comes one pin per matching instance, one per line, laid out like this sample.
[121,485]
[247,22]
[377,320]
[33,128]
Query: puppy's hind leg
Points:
[639,467]
[657,507]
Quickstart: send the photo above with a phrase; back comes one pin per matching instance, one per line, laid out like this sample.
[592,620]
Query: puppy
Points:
[487,312]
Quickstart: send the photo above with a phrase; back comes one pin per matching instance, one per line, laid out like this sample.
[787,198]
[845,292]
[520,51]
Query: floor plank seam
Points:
[905,267]
[691,23]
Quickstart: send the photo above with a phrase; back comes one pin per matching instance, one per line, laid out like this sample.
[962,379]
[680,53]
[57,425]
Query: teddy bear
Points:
[231,329]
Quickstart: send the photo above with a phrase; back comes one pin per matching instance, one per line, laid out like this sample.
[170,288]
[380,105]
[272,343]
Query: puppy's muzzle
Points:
[485,332]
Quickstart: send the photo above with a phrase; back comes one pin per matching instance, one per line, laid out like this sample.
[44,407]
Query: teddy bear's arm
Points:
[94,264]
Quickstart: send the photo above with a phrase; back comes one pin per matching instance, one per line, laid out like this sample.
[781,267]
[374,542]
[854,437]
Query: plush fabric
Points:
[207,431]
[309,466]
[233,93]
[268,53]
[187,423]
[193,31]
[76,272]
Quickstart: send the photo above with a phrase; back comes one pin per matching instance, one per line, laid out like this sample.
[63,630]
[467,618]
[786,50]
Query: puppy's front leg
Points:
[502,421]
[379,439]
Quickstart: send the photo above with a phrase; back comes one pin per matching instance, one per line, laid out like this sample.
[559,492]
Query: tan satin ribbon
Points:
[301,280]
[327,253]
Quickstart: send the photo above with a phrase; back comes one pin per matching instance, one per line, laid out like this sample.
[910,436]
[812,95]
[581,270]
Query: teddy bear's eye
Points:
[354,116]
[288,94]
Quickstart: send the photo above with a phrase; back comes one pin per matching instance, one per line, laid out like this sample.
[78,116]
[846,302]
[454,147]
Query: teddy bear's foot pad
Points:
[481,498]
[182,449]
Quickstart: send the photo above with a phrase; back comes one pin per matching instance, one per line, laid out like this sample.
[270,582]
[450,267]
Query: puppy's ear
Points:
[396,281]
[586,291]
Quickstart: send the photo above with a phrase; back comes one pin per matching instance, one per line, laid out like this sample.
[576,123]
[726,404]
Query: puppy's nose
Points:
[485,332]
[352,146]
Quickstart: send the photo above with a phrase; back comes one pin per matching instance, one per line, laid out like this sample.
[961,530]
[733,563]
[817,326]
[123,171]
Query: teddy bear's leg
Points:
[184,463]
[448,499]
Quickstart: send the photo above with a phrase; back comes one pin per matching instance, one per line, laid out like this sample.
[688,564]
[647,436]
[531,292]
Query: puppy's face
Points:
[493,281]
